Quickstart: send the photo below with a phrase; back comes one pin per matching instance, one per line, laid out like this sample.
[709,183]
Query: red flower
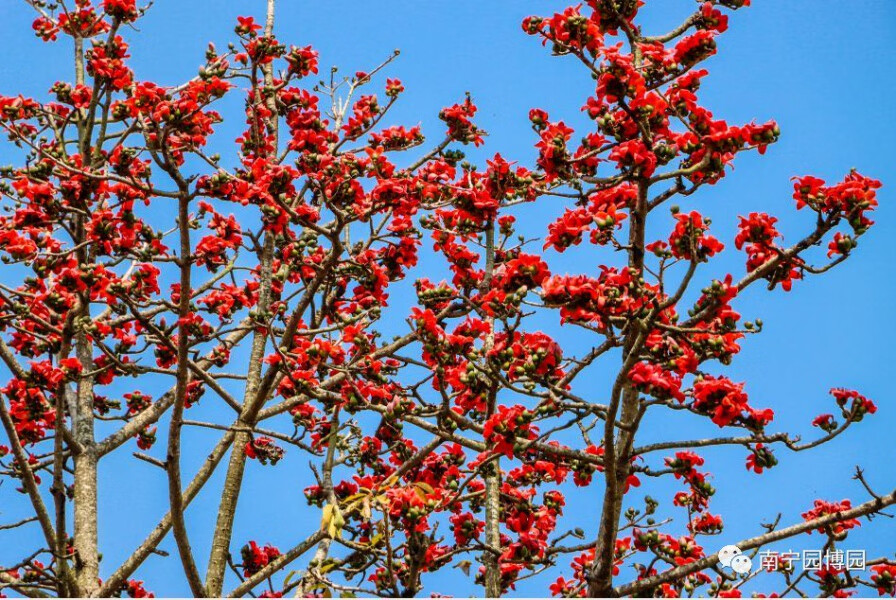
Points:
[123,10]
[859,404]
[568,229]
[466,527]
[264,450]
[146,437]
[246,26]
[302,61]
[460,127]
[706,523]
[836,528]
[684,462]
[633,155]
[689,239]
[504,427]
[712,18]
[726,403]
[135,589]
[256,558]
[654,380]
[761,458]
[884,579]
[825,421]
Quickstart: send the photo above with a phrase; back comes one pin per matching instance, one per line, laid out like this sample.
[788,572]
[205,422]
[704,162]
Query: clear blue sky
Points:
[822,68]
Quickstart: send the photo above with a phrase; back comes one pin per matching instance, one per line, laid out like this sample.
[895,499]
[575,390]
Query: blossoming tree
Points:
[145,274]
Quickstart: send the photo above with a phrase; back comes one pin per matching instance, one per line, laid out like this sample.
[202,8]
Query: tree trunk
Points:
[87,571]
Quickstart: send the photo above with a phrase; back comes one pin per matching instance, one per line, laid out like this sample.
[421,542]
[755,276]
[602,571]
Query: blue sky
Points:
[823,71]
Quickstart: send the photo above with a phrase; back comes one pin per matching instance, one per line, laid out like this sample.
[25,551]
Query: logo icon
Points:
[737,561]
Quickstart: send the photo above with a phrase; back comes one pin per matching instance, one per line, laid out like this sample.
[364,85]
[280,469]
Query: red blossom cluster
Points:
[135,589]
[884,579]
[256,557]
[266,283]
[837,528]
